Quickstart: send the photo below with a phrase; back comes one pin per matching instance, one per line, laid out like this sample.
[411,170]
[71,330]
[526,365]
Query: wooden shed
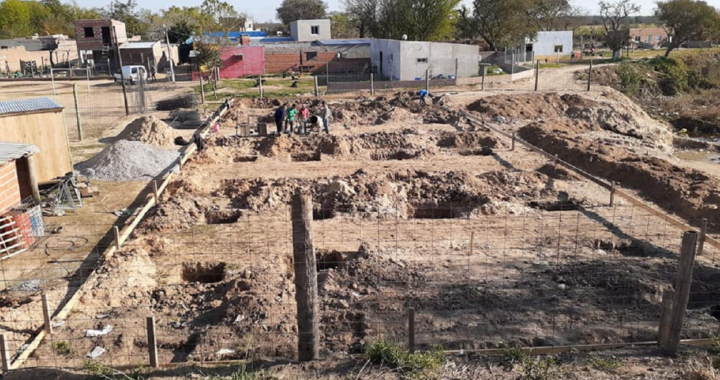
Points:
[40,122]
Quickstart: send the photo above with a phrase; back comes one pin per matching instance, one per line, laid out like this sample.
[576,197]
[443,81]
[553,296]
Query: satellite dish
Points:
[404,37]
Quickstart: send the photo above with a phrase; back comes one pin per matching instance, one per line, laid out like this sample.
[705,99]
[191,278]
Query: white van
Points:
[133,74]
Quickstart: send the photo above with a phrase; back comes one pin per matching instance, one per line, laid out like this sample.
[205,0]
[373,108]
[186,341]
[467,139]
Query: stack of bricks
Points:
[9,187]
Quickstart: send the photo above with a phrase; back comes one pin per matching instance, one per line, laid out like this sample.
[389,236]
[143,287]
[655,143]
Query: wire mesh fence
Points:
[220,284]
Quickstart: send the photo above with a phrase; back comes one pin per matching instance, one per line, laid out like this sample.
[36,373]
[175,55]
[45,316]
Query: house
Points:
[96,41]
[650,38]
[408,60]
[142,53]
[58,49]
[40,122]
[310,30]
[351,55]
[550,45]
[20,215]
[240,61]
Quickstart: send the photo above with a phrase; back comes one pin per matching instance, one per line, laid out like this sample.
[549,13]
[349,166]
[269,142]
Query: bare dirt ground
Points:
[415,207]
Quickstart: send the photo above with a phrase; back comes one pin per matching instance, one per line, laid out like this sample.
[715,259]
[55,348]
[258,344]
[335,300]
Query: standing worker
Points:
[290,120]
[279,118]
[326,117]
[153,78]
[304,115]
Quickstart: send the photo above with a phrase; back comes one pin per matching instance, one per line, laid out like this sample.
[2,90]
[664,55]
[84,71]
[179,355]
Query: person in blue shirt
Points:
[279,118]
[423,93]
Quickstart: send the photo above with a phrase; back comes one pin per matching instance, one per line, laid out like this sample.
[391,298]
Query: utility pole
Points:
[167,44]
[122,73]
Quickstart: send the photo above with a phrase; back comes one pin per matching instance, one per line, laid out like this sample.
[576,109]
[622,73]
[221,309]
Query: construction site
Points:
[472,220]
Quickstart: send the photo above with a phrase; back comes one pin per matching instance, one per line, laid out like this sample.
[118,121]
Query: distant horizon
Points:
[265,11]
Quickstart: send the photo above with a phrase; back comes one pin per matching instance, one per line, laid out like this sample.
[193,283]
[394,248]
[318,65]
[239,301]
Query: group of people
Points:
[293,120]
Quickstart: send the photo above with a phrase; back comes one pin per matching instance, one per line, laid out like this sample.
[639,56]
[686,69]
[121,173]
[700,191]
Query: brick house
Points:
[650,38]
[96,41]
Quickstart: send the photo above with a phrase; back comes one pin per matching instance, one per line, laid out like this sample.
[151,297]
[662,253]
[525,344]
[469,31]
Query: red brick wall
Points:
[252,62]
[279,62]
[96,42]
[9,187]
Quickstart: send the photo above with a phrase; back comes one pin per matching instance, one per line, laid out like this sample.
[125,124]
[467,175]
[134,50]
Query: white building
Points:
[551,44]
[310,30]
[408,60]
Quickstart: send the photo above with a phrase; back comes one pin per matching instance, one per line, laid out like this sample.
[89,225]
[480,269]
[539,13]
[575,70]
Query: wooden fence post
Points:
[155,193]
[682,291]
[317,93]
[701,239]
[4,355]
[152,342]
[664,330]
[202,89]
[411,329]
[372,84]
[589,75]
[537,74]
[306,295]
[512,146]
[46,314]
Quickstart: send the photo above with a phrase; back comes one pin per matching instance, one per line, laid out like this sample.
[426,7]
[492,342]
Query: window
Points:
[89,32]
[134,70]
[238,57]
[637,38]
[649,39]
[558,49]
[422,60]
[310,55]
[659,38]
[3,47]
[315,29]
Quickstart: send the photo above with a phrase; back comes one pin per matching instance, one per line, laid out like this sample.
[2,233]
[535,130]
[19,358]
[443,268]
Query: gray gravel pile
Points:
[127,160]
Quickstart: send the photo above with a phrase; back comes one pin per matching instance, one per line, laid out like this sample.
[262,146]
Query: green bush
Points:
[398,357]
[672,75]
[632,76]
[539,368]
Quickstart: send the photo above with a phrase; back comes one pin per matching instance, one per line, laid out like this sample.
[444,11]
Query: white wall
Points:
[545,42]
[412,58]
[300,30]
[390,50]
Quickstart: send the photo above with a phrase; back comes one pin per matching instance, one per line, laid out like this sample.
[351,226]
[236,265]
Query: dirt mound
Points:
[149,130]
[618,115]
[405,194]
[127,160]
[180,211]
[686,192]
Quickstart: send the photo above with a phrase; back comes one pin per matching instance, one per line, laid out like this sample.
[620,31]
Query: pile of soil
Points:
[149,130]
[687,192]
[618,116]
[127,160]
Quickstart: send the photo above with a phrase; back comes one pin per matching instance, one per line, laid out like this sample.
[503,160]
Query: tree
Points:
[547,14]
[221,16]
[686,20]
[344,25]
[613,16]
[500,23]
[365,13]
[293,10]
[15,19]
[180,32]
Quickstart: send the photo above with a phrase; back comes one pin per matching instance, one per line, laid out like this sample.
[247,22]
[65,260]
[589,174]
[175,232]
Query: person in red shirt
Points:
[304,114]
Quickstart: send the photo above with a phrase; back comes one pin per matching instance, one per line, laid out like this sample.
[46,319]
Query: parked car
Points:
[133,74]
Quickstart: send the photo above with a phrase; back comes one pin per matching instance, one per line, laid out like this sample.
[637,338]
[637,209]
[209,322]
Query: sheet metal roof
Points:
[232,36]
[21,106]
[12,151]
[138,45]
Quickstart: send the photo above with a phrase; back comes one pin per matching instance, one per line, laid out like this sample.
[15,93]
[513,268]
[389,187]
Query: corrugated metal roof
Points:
[11,107]
[12,151]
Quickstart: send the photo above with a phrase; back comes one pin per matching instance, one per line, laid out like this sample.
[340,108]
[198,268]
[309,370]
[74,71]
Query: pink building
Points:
[239,61]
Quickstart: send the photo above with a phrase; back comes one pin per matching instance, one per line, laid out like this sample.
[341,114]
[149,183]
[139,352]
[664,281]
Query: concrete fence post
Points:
[457,70]
[537,74]
[202,89]
[427,80]
[306,290]
[372,84]
[77,112]
[316,86]
[589,75]
[46,314]
[260,85]
[682,292]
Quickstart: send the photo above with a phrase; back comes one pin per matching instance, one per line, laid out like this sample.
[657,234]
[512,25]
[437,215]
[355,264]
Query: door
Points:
[106,35]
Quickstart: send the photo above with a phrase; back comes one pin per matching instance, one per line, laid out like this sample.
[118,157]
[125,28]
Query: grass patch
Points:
[243,374]
[605,363]
[552,65]
[98,371]
[491,71]
[61,347]
[412,364]
[539,368]
[513,355]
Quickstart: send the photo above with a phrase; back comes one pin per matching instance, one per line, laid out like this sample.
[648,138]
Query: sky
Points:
[263,11]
